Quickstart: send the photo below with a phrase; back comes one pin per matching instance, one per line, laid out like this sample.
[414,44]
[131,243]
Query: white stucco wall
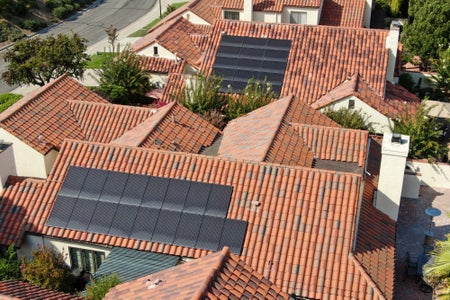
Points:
[194,19]
[367,13]
[411,185]
[7,166]
[162,52]
[267,17]
[380,121]
[433,175]
[31,242]
[312,17]
[28,161]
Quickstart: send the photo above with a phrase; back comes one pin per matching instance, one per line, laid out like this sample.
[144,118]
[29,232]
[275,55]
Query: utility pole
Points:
[160,12]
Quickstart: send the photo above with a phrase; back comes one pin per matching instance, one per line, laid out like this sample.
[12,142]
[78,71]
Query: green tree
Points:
[437,273]
[442,78]
[424,133]
[8,99]
[47,269]
[38,61]
[428,29]
[98,288]
[255,95]
[122,79]
[350,118]
[9,265]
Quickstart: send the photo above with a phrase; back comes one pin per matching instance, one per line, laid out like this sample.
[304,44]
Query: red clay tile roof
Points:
[343,13]
[208,10]
[46,113]
[162,65]
[26,291]
[300,236]
[221,275]
[264,135]
[321,57]
[175,36]
[339,144]
[271,6]
[173,127]
[397,98]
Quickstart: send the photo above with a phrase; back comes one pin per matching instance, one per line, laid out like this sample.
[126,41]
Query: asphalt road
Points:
[91,23]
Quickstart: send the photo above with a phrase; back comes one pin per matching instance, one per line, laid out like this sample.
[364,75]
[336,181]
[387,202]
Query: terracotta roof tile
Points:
[300,237]
[173,127]
[208,10]
[343,13]
[221,274]
[271,6]
[175,36]
[42,119]
[162,65]
[397,100]
[26,291]
[321,57]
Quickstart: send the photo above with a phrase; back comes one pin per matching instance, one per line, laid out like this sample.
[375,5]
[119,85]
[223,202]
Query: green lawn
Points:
[143,31]
[96,60]
[8,99]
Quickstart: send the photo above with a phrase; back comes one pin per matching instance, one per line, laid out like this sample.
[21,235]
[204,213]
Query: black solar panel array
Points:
[240,58]
[170,211]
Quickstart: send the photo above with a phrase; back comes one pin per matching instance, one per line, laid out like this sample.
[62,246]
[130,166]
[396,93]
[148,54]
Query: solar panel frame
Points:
[210,233]
[103,217]
[166,226]
[73,182]
[219,201]
[233,235]
[62,209]
[176,195]
[188,229]
[114,187]
[155,192]
[134,190]
[93,184]
[197,198]
[81,214]
[145,223]
[124,219]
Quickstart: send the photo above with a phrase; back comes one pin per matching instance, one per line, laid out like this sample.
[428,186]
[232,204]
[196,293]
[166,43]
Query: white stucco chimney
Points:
[248,10]
[368,13]
[392,46]
[393,161]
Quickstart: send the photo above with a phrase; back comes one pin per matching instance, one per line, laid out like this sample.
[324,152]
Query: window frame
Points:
[303,16]
[233,13]
[81,258]
[351,103]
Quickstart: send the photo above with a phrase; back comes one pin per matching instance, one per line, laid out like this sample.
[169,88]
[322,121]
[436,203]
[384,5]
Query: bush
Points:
[98,288]
[47,269]
[61,12]
[8,99]
[350,118]
[406,81]
[33,25]
[9,32]
[9,265]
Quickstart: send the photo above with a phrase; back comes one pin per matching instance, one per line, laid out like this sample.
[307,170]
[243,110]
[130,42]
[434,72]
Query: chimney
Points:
[393,161]
[392,47]
[248,10]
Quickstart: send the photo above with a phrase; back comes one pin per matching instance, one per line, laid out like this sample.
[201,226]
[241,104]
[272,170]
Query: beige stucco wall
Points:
[433,175]
[31,242]
[7,166]
[162,51]
[411,185]
[367,13]
[194,19]
[380,121]
[28,162]
[312,17]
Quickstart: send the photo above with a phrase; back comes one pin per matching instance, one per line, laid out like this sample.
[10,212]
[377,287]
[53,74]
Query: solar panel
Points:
[144,224]
[233,235]
[93,184]
[155,192]
[73,182]
[210,232]
[114,186]
[134,189]
[246,55]
[166,226]
[197,198]
[62,209]
[188,229]
[219,200]
[102,218]
[176,194]
[123,221]
[82,214]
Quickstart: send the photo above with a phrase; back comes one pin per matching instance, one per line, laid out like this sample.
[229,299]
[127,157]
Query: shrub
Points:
[9,265]
[98,288]
[33,25]
[61,12]
[47,269]
[406,81]
[350,118]
[8,99]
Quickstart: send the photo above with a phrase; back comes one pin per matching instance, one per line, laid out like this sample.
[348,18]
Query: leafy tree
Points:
[437,273]
[428,28]
[47,269]
[9,265]
[122,78]
[255,95]
[442,67]
[38,61]
[8,99]
[350,118]
[98,288]
[202,94]
[424,132]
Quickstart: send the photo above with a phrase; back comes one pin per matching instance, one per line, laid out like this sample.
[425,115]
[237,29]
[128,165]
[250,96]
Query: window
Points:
[87,260]
[351,104]
[155,51]
[298,17]
[231,15]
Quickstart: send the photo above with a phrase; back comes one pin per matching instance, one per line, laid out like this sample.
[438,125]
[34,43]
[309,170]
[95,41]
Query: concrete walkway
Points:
[411,228]
[123,39]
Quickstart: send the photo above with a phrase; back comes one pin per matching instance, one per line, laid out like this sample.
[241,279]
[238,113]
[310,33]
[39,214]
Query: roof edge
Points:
[366,276]
[224,254]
